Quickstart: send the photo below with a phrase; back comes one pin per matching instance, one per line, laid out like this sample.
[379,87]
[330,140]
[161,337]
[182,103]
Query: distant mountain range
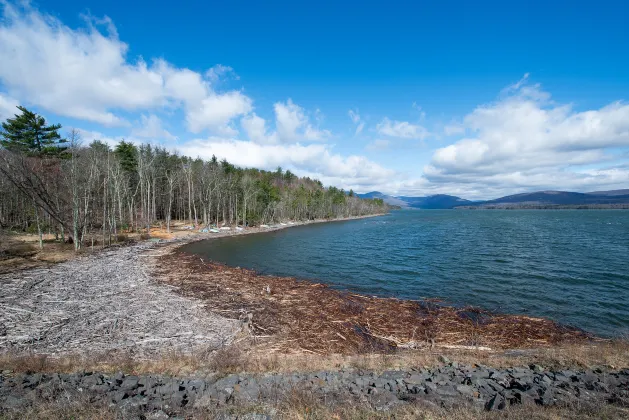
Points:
[539,199]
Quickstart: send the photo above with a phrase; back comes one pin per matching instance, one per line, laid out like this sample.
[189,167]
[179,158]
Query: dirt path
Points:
[100,303]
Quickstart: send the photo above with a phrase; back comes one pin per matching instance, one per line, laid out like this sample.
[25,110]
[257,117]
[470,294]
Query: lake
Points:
[568,265]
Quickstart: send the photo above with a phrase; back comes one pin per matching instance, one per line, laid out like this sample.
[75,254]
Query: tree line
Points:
[58,185]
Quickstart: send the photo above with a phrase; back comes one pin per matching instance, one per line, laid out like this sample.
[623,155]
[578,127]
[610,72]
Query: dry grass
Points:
[611,355]
[20,251]
[64,410]
[301,405]
[432,412]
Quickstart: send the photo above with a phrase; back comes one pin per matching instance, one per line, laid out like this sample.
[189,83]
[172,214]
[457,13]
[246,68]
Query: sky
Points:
[476,99]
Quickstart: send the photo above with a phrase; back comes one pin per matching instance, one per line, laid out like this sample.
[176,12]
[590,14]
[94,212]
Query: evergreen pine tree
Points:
[28,133]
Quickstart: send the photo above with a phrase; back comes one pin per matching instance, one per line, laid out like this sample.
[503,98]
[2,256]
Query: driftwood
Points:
[102,303]
[311,317]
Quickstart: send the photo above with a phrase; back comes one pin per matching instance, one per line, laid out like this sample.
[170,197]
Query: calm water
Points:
[571,266]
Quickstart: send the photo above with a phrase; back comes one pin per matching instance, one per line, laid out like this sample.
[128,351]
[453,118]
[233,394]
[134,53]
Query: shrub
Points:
[121,237]
[145,236]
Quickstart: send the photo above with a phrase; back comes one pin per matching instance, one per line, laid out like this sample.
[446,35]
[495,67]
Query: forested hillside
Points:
[72,187]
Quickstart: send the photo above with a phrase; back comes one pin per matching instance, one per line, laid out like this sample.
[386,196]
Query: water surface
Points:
[569,265]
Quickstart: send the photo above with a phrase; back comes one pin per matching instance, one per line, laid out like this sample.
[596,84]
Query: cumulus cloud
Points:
[86,74]
[293,125]
[151,127]
[219,72]
[401,129]
[216,111]
[526,141]
[316,160]
[256,130]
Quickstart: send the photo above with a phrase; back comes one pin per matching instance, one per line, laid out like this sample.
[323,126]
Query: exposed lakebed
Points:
[568,265]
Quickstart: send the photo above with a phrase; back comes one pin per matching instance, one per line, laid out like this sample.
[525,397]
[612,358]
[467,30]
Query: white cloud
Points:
[378,144]
[219,71]
[88,136]
[8,107]
[256,130]
[315,160]
[401,129]
[151,127]
[525,141]
[216,111]
[355,117]
[293,125]
[86,74]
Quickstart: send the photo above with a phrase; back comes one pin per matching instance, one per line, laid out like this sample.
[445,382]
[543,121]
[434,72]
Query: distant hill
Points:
[611,192]
[439,201]
[538,199]
[393,201]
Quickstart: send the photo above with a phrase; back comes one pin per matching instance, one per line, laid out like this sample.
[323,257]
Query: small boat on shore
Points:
[214,230]
[264,226]
[238,228]
[225,228]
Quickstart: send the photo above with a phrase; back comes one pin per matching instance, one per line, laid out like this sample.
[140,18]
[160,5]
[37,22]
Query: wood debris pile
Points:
[103,303]
[285,314]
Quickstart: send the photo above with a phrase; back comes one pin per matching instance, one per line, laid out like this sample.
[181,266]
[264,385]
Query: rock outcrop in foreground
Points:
[446,386]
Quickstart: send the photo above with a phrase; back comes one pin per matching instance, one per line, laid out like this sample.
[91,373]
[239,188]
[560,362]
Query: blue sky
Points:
[477,99]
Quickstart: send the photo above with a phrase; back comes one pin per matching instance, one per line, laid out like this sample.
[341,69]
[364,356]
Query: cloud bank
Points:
[522,141]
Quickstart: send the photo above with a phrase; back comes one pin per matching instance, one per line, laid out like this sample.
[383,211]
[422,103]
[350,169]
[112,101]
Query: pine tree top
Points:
[28,133]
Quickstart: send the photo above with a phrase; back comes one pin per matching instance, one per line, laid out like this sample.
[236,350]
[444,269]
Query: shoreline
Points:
[474,322]
[147,328]
[197,235]
[296,314]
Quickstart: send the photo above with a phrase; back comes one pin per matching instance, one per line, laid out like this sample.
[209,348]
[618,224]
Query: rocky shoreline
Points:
[448,385]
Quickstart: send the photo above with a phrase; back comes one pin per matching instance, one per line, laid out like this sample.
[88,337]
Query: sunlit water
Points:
[569,265]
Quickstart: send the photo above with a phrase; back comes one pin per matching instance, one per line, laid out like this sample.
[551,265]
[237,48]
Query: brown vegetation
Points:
[288,315]
[239,358]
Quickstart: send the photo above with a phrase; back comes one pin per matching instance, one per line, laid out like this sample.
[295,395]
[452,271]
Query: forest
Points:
[74,188]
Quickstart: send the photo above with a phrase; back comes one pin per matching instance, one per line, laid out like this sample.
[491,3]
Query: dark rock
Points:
[118,396]
[466,390]
[169,388]
[92,380]
[130,383]
[415,379]
[497,402]
[446,391]
[179,399]
[536,368]
[383,400]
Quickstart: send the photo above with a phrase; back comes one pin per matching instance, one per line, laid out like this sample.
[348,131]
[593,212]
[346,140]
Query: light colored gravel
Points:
[104,302]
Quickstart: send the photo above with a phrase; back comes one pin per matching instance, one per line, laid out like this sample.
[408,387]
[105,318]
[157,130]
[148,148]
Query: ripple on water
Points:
[570,266]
